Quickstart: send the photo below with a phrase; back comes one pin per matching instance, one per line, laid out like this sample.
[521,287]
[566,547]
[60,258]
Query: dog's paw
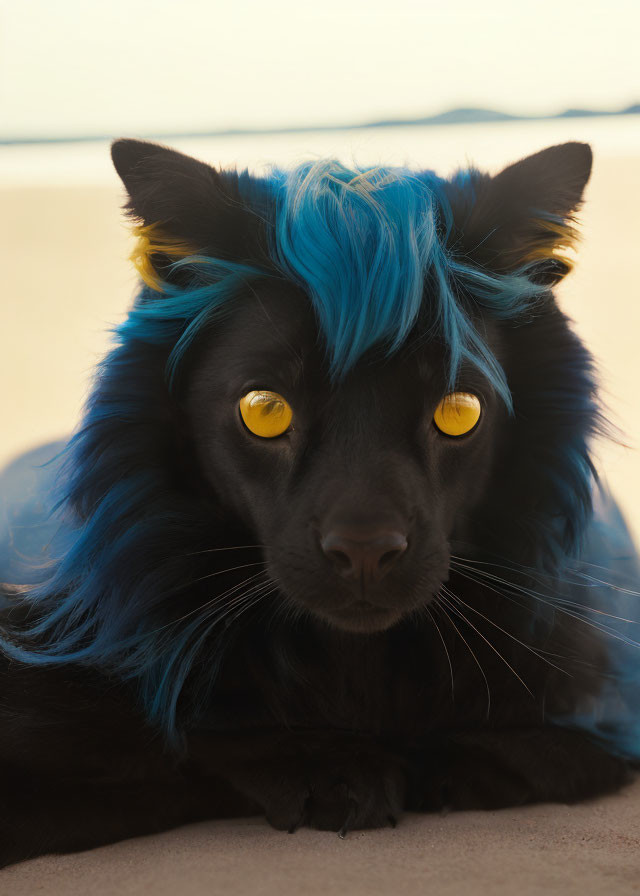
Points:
[363,791]
[339,791]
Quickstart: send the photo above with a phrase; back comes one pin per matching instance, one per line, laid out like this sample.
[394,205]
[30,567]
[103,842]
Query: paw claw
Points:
[393,821]
[348,822]
[302,820]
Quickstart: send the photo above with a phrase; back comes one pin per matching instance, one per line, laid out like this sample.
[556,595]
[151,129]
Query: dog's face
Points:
[356,501]
[356,484]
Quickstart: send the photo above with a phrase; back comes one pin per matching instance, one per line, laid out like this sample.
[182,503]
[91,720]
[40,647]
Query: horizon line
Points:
[453,116]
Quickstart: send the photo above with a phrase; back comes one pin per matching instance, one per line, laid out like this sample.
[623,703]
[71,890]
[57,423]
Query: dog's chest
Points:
[372,687]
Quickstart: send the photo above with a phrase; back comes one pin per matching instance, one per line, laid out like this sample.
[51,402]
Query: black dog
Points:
[327,543]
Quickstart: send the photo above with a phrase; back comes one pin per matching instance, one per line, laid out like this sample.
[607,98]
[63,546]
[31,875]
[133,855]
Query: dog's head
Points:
[370,364]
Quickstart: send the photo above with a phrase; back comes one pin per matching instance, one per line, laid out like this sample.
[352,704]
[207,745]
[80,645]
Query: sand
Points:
[65,278]
[587,850]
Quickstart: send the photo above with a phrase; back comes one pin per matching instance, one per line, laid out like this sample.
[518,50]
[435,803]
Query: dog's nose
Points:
[363,556]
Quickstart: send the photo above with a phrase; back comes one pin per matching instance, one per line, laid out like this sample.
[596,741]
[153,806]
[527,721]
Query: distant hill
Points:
[462,115]
[472,115]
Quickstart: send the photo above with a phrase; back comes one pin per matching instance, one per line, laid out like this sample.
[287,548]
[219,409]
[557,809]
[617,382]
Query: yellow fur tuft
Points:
[561,236]
[151,240]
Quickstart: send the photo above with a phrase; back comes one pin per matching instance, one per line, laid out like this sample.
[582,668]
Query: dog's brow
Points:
[278,330]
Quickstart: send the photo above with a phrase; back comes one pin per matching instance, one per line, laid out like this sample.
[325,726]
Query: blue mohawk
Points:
[363,243]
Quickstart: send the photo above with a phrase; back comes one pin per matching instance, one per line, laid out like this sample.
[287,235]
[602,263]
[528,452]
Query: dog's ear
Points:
[188,201]
[524,216]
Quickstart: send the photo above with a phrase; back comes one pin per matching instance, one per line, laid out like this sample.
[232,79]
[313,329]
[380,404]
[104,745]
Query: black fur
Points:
[334,707]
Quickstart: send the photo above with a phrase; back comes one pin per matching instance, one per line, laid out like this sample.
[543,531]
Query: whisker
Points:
[475,577]
[201,628]
[555,605]
[556,599]
[528,647]
[221,572]
[261,596]
[534,573]
[511,599]
[488,643]
[619,588]
[239,601]
[442,597]
[446,650]
[235,547]
[209,604]
[528,571]
[579,606]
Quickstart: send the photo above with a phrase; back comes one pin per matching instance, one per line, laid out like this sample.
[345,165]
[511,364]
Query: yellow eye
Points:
[457,413]
[265,414]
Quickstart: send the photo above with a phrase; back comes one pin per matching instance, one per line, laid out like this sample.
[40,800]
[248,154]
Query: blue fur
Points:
[601,588]
[362,245]
[123,518]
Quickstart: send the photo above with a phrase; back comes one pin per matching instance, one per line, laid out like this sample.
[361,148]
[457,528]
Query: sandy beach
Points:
[65,280]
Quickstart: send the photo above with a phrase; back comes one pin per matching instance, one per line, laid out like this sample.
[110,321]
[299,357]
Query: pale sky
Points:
[142,66]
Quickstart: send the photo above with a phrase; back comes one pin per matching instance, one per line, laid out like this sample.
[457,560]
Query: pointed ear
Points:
[524,216]
[189,201]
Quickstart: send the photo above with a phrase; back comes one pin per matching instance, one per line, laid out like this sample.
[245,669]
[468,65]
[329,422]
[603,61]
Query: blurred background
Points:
[249,84]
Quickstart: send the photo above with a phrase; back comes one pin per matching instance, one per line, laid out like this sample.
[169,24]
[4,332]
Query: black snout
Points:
[361,555]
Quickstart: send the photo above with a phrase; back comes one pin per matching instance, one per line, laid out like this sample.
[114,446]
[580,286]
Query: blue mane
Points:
[363,243]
